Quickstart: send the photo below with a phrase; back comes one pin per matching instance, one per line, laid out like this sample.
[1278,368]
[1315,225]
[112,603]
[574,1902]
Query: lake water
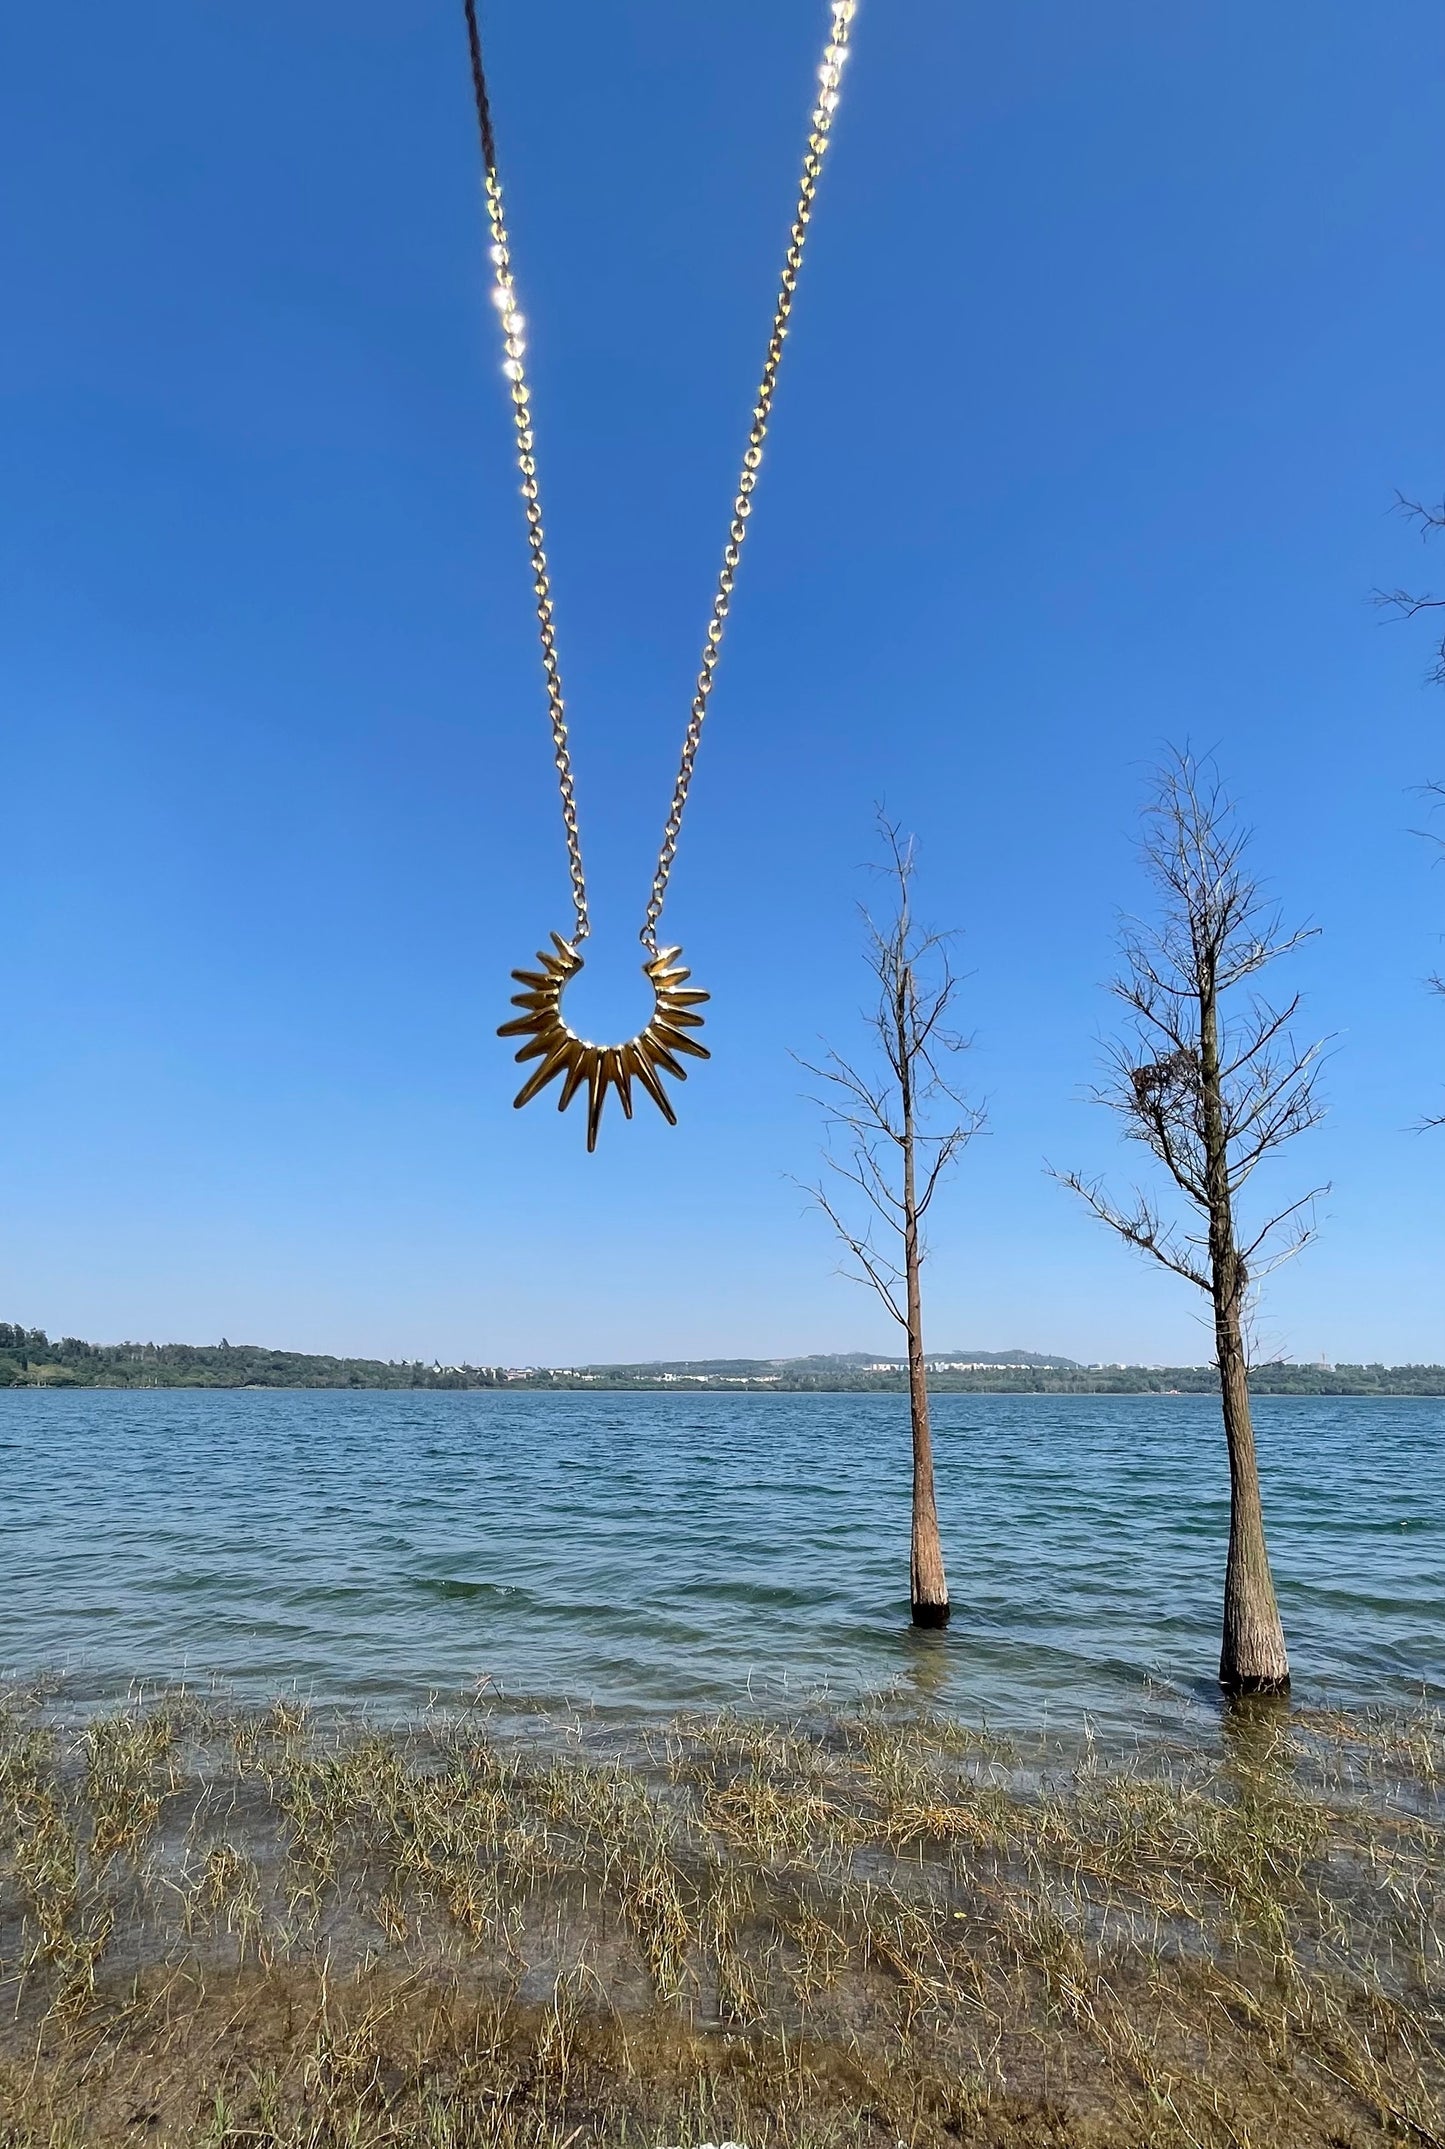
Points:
[639,1554]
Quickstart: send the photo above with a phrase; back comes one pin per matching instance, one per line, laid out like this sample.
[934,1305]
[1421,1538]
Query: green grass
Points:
[228,1928]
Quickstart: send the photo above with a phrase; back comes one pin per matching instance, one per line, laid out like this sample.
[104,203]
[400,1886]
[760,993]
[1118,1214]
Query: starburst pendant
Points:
[560,1051]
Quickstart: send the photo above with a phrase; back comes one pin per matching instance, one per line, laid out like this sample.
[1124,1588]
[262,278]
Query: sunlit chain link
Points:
[830,74]
[504,295]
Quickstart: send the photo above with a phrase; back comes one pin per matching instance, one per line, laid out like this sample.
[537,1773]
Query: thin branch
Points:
[1405,603]
[1210,1092]
[1428,519]
[1142,1227]
[906,1116]
[1265,1025]
[876,1272]
[868,1176]
[948,1147]
[1408,604]
[1299,1237]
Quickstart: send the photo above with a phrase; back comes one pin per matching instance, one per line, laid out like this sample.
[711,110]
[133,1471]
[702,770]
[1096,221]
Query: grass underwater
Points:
[277,1928]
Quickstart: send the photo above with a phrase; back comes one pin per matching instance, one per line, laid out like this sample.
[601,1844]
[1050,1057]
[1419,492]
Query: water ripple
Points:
[646,1553]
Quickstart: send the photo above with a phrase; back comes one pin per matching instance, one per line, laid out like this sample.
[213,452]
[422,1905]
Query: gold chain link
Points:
[841,13]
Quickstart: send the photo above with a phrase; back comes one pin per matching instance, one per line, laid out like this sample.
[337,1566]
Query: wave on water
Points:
[642,1554]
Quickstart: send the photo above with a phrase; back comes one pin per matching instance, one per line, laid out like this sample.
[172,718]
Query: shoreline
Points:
[940,1386]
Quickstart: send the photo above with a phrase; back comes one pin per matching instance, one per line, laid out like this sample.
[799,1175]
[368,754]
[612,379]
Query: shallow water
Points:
[640,1553]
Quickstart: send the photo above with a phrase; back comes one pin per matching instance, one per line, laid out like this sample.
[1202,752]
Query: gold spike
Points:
[622,1077]
[547,1042]
[680,1018]
[646,1074]
[676,1042]
[599,1074]
[576,1072]
[686,999]
[524,1026]
[555,1061]
[659,1055]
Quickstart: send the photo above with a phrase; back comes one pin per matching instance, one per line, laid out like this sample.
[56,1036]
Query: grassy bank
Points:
[231,1928]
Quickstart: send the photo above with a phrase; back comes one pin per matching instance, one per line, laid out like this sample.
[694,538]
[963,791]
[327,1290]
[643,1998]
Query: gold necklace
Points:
[547,1036]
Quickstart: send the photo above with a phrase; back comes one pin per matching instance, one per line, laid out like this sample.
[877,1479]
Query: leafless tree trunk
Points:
[893,1130]
[1211,1089]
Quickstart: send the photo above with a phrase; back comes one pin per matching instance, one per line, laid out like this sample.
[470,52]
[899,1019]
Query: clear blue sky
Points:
[1120,326]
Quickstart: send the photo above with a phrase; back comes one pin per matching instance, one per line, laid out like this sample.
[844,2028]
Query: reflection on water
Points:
[654,1552]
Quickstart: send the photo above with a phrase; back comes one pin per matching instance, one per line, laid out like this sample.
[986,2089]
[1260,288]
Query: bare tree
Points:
[1211,1081]
[893,1129]
[1408,604]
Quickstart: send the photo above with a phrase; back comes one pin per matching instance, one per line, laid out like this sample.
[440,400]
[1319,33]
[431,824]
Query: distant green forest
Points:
[30,1359]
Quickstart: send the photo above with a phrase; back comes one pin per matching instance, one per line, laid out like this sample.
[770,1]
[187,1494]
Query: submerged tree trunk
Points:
[1253,1658]
[928,1584]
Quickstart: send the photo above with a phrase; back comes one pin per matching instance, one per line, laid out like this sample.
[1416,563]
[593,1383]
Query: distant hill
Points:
[823,1363]
[968,1358]
[1008,1358]
[30,1359]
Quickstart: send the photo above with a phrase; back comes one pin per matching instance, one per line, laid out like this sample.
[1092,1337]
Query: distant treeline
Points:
[29,1358]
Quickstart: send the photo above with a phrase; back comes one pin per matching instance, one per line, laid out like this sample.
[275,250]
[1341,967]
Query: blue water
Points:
[637,1554]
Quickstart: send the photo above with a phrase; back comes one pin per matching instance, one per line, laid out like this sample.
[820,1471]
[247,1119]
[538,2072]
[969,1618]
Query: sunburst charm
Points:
[645,1058]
